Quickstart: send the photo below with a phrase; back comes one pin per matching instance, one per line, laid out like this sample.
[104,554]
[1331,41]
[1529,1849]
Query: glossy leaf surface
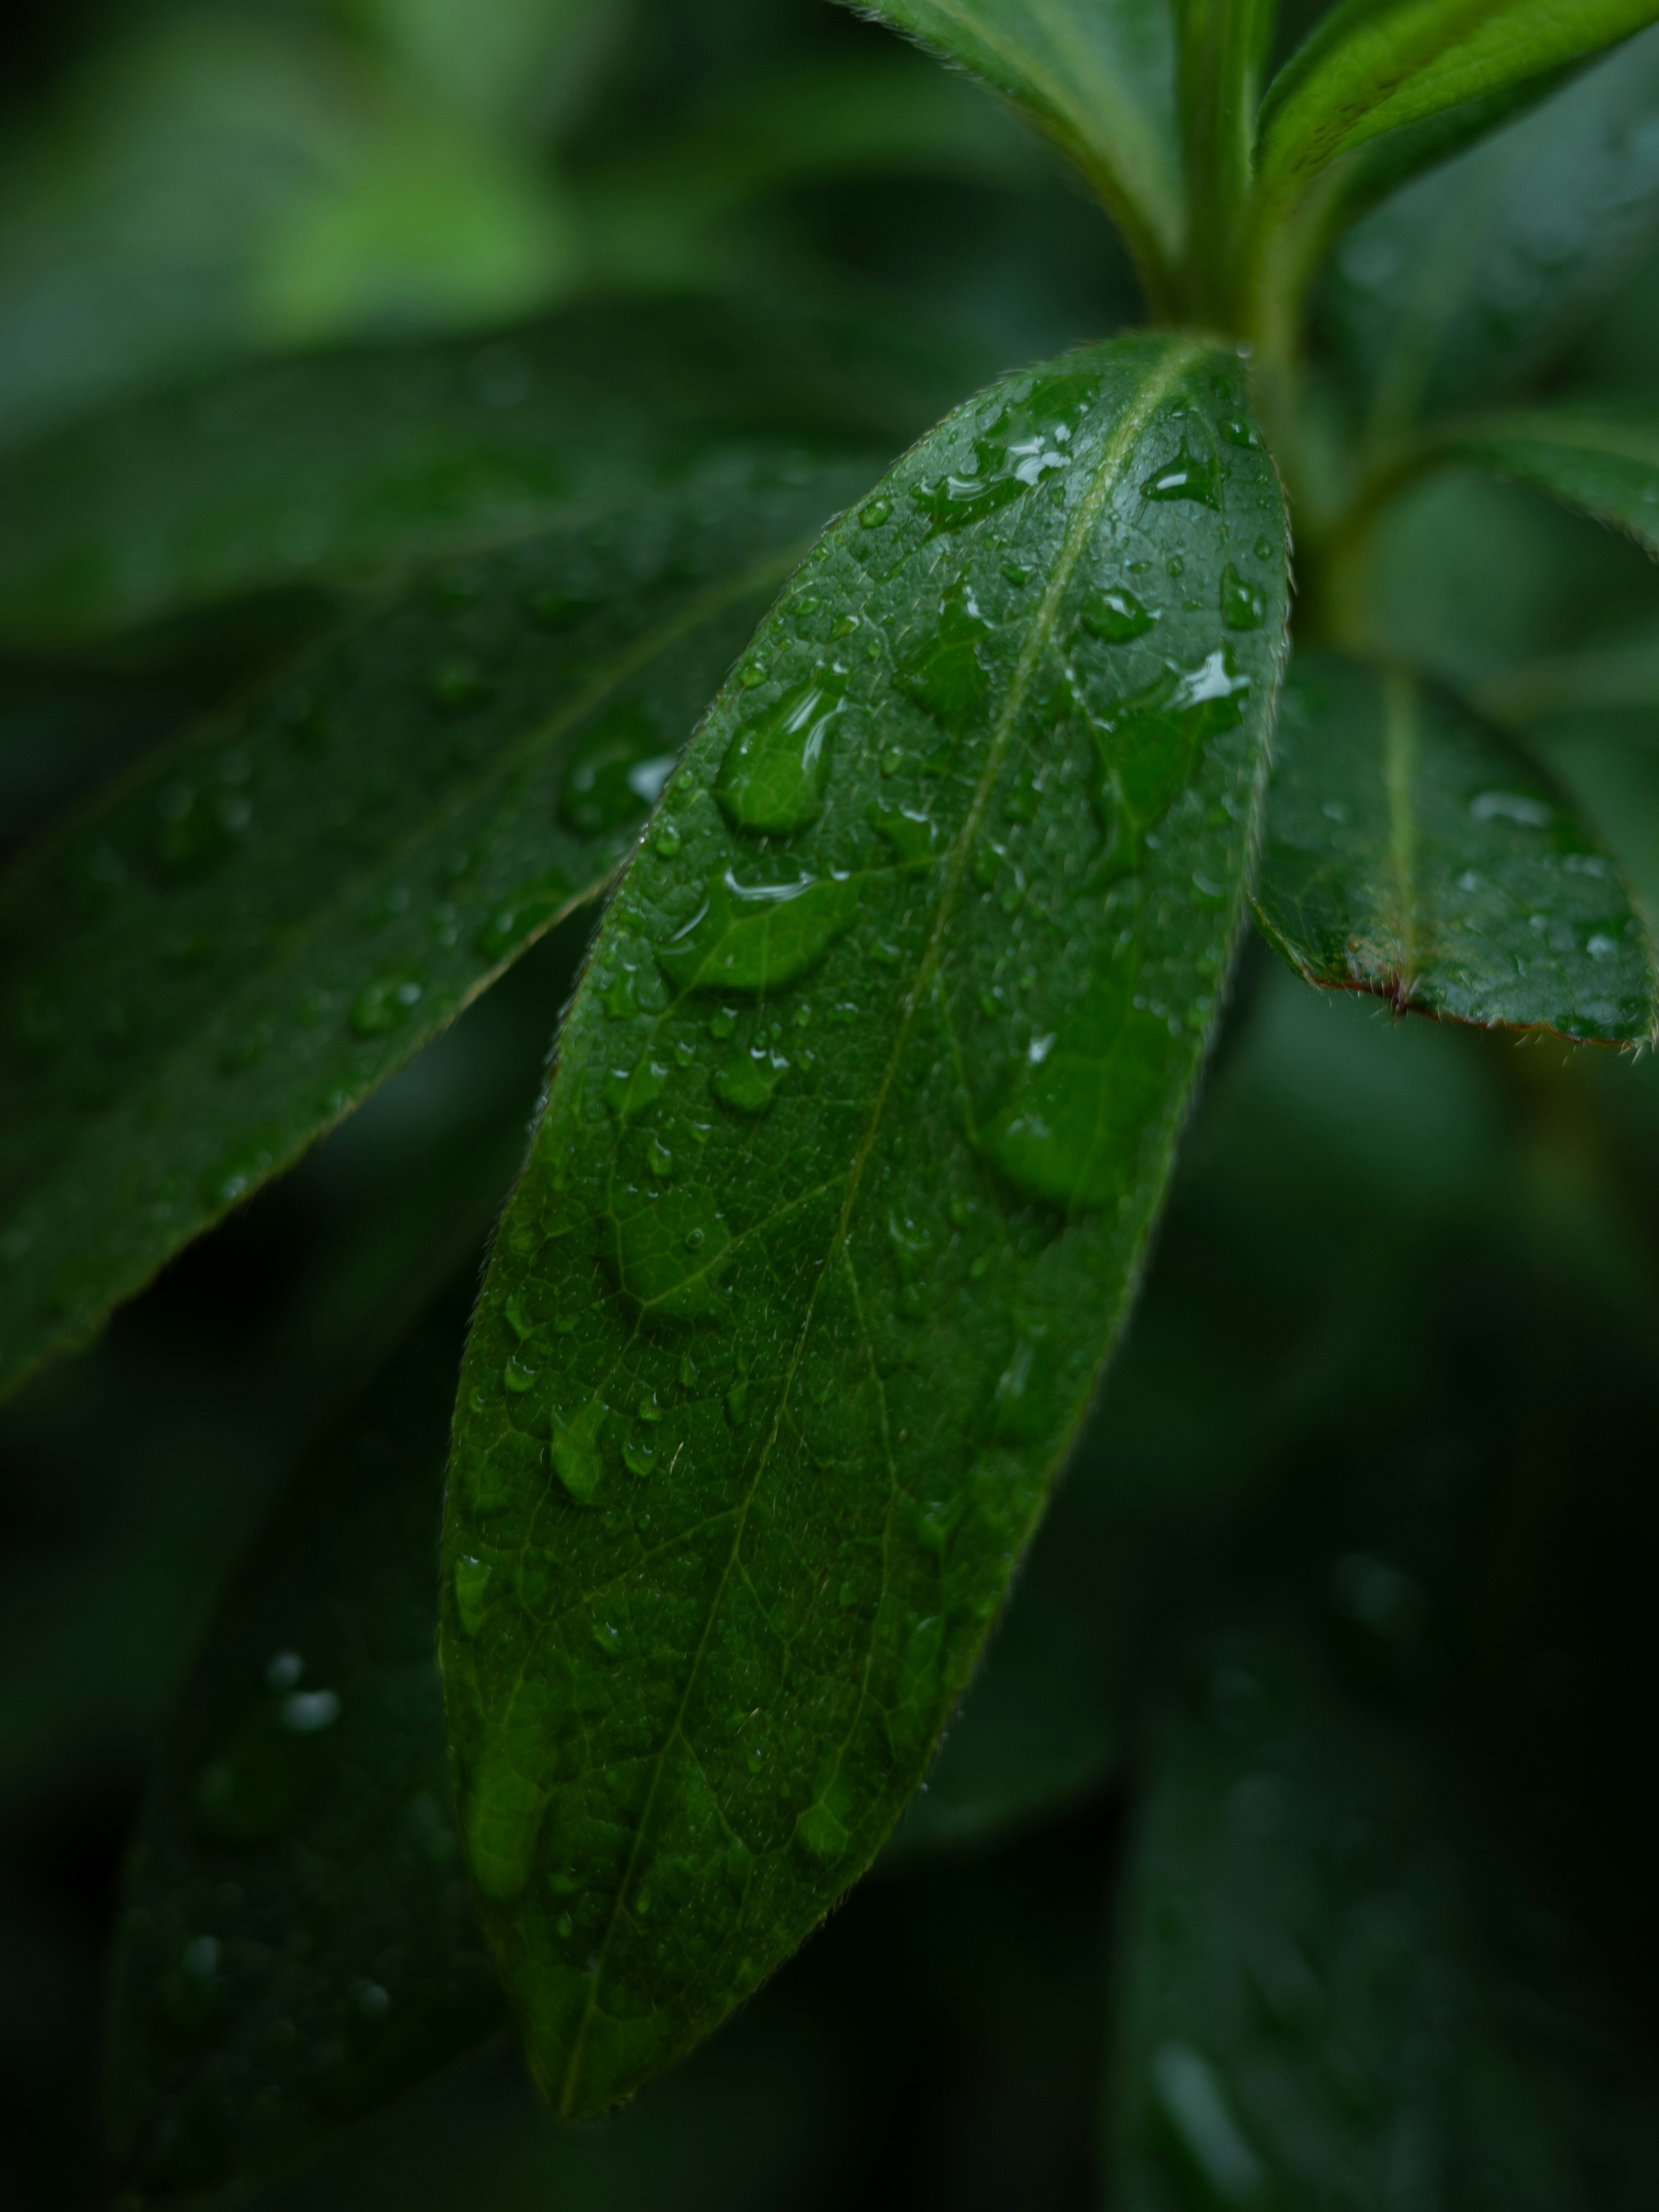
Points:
[330,467]
[1310,2001]
[1411,851]
[856,1132]
[299,1942]
[1374,66]
[1605,466]
[1478,275]
[217,960]
[1097,76]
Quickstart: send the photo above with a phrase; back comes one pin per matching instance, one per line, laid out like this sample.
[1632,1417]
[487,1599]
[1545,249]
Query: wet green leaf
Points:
[1098,76]
[329,468]
[853,1143]
[214,962]
[1411,851]
[299,1942]
[1479,274]
[1606,465]
[1376,66]
[1310,2004]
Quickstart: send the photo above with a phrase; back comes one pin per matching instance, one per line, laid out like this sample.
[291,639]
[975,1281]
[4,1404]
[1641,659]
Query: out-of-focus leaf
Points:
[1098,76]
[1307,2005]
[1042,1724]
[655,212]
[130,208]
[1605,466]
[1411,851]
[211,965]
[1477,276]
[426,222]
[159,1451]
[1469,578]
[299,1943]
[861,1116]
[63,731]
[758,2121]
[1374,66]
[330,468]
[519,64]
[1611,679]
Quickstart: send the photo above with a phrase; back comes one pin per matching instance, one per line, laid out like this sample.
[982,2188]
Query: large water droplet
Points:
[1116,615]
[754,937]
[1243,604]
[749,1081]
[1029,441]
[1073,1127]
[908,831]
[772,778]
[472,1580]
[1188,475]
[1149,742]
[577,1459]
[946,675]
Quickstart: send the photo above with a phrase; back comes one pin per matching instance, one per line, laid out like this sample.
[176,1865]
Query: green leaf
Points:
[1411,851]
[860,1117]
[1479,275]
[299,1942]
[1374,66]
[214,962]
[1099,77]
[1605,466]
[1311,1994]
[330,468]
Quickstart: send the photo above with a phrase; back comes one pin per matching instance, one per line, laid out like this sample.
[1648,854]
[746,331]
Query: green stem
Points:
[1222,43]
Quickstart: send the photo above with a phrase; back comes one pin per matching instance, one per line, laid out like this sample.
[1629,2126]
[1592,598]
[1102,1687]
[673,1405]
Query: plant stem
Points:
[1222,43]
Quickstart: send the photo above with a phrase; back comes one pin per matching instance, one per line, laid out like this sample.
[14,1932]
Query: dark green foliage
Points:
[1411,851]
[298,1941]
[1606,465]
[769,1378]
[1370,69]
[333,469]
[217,960]
[1256,1825]
[1482,273]
[1308,2006]
[1098,78]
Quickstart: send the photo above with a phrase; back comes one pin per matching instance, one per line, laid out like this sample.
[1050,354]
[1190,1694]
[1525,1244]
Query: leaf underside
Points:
[300,1943]
[1097,76]
[1477,276]
[1411,851]
[1605,466]
[860,1120]
[222,956]
[1373,67]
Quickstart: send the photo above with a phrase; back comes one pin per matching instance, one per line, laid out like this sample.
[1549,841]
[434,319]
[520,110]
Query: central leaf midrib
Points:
[1132,425]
